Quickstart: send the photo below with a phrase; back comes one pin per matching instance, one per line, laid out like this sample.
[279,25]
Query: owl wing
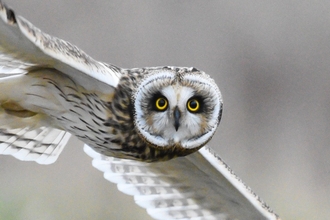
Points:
[23,46]
[198,186]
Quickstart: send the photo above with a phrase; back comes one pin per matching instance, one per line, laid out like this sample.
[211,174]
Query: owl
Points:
[128,118]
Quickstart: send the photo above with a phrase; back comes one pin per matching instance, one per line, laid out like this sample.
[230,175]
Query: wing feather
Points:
[198,186]
[23,46]
[42,145]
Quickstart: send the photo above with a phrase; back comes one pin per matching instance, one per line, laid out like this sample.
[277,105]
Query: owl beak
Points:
[177,116]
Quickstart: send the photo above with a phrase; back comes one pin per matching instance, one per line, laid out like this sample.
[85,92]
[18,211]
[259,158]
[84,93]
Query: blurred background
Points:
[271,62]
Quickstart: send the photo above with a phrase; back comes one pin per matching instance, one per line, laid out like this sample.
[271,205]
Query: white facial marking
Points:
[178,96]
[195,128]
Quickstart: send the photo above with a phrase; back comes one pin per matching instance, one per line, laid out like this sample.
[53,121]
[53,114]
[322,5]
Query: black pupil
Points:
[193,104]
[161,102]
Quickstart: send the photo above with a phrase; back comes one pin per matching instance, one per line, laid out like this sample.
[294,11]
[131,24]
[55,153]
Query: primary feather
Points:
[42,145]
[23,43]
[198,186]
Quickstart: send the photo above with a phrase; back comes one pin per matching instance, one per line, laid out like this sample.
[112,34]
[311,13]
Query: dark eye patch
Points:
[158,102]
[196,104]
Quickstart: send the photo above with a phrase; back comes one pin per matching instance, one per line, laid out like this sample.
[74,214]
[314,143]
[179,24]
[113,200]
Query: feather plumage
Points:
[42,145]
[51,89]
[198,186]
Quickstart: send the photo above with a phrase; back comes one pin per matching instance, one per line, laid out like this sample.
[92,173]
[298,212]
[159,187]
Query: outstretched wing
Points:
[23,46]
[198,186]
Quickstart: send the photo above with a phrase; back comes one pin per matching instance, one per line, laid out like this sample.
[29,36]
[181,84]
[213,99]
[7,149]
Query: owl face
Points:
[177,107]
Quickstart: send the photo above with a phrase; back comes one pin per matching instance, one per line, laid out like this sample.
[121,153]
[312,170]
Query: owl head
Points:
[177,107]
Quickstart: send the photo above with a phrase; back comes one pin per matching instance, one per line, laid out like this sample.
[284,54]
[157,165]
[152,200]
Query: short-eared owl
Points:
[50,90]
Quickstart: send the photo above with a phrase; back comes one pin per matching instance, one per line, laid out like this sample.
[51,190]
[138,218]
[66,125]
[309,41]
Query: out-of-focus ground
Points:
[271,60]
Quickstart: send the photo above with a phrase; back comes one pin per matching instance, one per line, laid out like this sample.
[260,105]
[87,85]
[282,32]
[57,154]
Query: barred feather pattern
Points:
[106,125]
[42,145]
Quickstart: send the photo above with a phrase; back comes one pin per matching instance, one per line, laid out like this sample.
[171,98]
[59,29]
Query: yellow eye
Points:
[193,105]
[161,104]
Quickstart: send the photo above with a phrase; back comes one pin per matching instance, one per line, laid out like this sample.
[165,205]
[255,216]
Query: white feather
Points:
[198,186]
[42,145]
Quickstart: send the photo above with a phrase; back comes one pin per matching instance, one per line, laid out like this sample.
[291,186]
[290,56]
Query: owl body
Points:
[146,114]
[109,122]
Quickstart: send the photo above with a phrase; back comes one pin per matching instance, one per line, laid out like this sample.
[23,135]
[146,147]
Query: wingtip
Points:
[213,158]
[7,14]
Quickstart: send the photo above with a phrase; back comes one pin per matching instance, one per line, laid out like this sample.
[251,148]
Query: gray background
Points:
[271,62]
